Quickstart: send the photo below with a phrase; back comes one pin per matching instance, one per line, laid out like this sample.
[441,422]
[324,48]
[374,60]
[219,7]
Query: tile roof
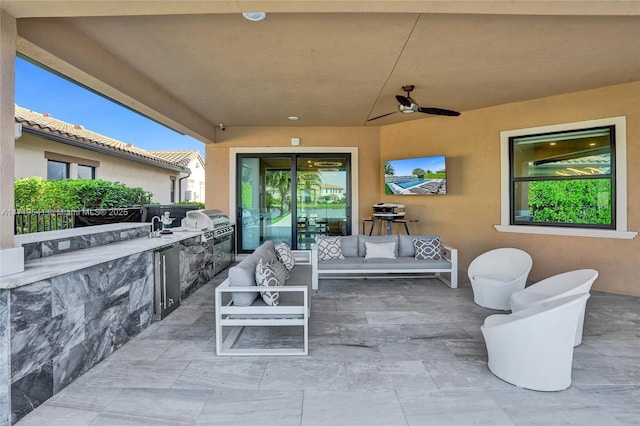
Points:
[178,157]
[77,133]
[330,186]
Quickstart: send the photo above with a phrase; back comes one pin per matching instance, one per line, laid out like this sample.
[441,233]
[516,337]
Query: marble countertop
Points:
[35,237]
[51,266]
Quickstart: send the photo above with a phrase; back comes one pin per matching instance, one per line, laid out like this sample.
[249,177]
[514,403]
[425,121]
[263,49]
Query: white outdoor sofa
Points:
[238,304]
[354,261]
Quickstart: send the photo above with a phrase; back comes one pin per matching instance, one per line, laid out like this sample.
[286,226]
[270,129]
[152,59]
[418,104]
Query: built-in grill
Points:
[217,234]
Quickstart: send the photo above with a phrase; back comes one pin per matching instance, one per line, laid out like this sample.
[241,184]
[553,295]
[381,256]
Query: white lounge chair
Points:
[498,273]
[555,287]
[533,348]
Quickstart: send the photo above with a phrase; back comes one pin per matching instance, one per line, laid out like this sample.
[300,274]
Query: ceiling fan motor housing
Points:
[407,109]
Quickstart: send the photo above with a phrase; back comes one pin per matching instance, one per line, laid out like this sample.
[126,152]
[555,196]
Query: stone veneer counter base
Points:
[67,312]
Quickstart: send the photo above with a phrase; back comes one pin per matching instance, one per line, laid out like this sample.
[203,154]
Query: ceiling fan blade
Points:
[404,100]
[438,111]
[383,115]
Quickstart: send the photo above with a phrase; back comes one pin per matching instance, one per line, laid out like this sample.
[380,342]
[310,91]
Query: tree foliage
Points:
[419,172]
[281,181]
[388,169]
[586,201]
[36,194]
[247,195]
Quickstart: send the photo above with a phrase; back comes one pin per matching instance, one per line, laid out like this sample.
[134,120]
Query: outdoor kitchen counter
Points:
[83,294]
[47,267]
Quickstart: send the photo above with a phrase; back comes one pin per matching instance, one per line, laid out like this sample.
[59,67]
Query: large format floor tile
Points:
[382,352]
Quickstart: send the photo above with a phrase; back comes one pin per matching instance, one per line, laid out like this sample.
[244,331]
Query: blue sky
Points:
[406,166]
[42,91]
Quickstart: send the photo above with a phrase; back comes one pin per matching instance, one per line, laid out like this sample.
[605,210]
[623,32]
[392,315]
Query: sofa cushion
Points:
[244,273]
[427,249]
[368,265]
[380,250]
[266,251]
[283,251]
[329,248]
[362,250]
[300,275]
[349,245]
[267,278]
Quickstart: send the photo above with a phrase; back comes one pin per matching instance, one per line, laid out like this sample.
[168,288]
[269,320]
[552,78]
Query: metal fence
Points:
[52,220]
[27,222]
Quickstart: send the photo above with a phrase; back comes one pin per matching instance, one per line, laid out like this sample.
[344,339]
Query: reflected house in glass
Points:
[416,176]
[331,192]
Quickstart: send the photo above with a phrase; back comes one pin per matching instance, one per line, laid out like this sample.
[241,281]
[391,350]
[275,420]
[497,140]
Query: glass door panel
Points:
[265,201]
[292,198]
[321,198]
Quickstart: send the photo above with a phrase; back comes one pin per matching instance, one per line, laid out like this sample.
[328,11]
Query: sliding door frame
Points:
[233,183]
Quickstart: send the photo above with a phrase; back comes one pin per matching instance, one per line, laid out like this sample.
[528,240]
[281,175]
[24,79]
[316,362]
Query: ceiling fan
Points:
[409,106]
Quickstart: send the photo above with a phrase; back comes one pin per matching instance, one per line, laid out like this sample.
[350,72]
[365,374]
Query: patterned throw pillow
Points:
[282,273]
[285,255]
[266,277]
[329,248]
[427,249]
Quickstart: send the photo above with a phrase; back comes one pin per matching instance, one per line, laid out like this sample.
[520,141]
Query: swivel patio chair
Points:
[533,348]
[555,287]
[498,273]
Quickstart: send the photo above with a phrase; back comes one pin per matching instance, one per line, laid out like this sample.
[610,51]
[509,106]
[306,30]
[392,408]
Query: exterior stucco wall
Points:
[30,161]
[196,182]
[466,216]
[365,139]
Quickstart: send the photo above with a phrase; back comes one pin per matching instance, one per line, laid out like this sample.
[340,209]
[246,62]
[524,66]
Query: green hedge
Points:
[36,194]
[585,201]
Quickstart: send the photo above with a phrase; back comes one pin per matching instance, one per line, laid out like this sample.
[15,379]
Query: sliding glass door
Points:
[292,198]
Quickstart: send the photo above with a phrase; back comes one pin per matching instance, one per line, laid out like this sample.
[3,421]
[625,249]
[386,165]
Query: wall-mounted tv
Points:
[416,176]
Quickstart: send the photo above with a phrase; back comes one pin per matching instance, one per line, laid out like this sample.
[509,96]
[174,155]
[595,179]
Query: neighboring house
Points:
[335,192]
[190,187]
[53,149]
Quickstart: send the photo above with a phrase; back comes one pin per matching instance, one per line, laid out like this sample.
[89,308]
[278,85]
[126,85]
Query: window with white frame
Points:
[567,179]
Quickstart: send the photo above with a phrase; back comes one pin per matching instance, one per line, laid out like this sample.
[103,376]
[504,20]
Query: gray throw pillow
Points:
[406,248]
[329,248]
[427,249]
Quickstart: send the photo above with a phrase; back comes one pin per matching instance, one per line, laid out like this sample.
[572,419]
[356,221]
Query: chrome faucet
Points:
[155,233]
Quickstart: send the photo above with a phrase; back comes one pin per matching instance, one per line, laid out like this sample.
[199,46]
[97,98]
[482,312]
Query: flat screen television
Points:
[416,176]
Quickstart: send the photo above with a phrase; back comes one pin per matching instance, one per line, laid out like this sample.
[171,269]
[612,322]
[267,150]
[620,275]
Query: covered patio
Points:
[405,352]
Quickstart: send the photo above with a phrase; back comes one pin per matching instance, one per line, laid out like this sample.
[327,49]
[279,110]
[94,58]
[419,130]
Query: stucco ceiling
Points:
[335,66]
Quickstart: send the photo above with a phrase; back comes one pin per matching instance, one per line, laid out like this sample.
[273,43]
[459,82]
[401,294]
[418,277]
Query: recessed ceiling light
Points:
[327,164]
[254,16]
[293,117]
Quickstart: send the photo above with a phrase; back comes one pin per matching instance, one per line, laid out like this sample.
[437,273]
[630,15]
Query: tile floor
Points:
[399,352]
